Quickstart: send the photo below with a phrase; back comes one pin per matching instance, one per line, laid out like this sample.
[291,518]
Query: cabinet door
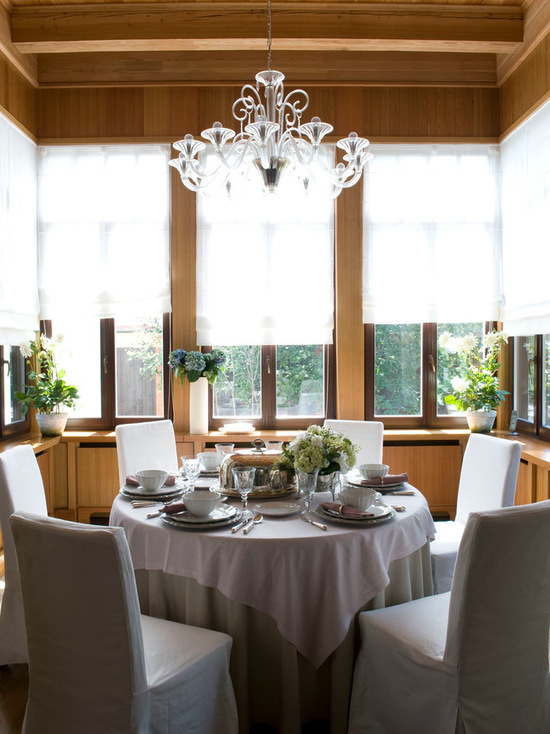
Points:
[96,476]
[433,469]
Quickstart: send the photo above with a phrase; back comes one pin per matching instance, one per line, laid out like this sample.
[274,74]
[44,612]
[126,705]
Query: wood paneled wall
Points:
[526,89]
[18,98]
[167,113]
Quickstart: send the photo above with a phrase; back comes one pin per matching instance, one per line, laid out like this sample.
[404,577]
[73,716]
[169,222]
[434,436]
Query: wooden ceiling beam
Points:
[243,26]
[315,68]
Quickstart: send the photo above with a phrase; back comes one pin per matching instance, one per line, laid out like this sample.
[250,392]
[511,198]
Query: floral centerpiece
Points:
[48,392]
[194,365]
[479,388]
[318,448]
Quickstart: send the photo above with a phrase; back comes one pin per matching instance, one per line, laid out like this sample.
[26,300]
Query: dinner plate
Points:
[356,481]
[278,509]
[262,494]
[220,514]
[141,494]
[229,520]
[381,514]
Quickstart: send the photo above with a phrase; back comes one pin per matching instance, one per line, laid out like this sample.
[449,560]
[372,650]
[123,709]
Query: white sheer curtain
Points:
[18,279]
[431,234]
[525,160]
[104,245]
[265,268]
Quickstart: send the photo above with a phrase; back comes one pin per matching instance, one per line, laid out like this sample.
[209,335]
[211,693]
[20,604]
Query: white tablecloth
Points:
[289,576]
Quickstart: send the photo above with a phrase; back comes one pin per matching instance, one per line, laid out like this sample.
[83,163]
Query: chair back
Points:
[150,445]
[86,659]
[488,476]
[368,435]
[21,488]
[499,615]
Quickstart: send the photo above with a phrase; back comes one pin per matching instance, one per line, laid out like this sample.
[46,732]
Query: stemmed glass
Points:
[191,470]
[243,477]
[307,484]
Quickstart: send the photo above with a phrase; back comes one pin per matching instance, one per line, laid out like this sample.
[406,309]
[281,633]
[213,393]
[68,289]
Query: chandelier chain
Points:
[269,35]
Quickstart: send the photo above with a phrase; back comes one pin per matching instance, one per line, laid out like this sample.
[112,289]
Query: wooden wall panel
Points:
[526,89]
[18,98]
[167,113]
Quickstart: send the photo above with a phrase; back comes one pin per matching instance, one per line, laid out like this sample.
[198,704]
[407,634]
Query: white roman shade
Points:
[18,278]
[104,246]
[431,234]
[265,267]
[525,161]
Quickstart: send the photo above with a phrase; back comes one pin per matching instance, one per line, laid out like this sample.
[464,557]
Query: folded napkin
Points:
[388,479]
[174,507]
[345,510]
[133,482]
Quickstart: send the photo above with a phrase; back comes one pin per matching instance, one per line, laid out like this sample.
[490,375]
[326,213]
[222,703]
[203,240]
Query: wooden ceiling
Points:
[66,43]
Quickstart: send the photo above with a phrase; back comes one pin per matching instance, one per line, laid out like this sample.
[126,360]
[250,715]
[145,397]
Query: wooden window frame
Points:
[8,430]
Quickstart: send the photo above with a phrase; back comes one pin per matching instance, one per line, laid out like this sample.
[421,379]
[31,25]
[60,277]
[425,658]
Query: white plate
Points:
[140,493]
[381,514]
[169,520]
[220,514]
[237,428]
[357,481]
[278,509]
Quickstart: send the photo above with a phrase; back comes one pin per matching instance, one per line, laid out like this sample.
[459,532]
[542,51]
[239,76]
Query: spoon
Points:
[255,520]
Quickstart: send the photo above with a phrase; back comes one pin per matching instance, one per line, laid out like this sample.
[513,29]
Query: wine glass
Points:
[191,470]
[307,484]
[243,478]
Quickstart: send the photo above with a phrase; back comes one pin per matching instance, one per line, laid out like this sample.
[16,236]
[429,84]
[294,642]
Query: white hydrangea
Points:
[459,384]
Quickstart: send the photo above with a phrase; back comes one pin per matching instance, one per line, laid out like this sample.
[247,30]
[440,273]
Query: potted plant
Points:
[192,366]
[48,391]
[322,449]
[478,391]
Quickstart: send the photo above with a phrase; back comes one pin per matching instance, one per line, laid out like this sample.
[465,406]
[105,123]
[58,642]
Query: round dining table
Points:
[287,592]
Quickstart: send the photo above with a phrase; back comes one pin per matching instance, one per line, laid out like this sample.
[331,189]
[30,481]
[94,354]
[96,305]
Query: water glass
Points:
[222,449]
[307,484]
[243,478]
[191,469]
[274,445]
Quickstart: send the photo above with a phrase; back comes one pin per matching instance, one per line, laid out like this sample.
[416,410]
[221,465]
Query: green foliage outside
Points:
[147,350]
[397,381]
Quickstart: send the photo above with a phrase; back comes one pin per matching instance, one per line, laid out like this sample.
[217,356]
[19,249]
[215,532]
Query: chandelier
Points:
[272,138]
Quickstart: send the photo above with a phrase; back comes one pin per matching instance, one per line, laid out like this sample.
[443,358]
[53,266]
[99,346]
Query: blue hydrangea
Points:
[177,358]
[195,361]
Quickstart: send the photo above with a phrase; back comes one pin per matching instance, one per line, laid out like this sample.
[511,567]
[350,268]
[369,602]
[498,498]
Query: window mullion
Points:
[269,386]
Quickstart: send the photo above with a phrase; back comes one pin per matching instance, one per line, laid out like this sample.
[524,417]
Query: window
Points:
[274,387]
[531,391]
[18,289]
[429,213]
[265,294]
[110,204]
[411,373]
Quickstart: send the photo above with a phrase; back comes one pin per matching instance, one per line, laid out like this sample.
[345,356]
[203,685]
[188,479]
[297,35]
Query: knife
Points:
[240,524]
[319,525]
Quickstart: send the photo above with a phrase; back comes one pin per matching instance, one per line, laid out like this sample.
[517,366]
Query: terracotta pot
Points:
[52,424]
[480,421]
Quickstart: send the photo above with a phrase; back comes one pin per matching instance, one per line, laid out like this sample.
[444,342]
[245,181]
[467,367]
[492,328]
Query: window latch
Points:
[105,365]
[431,362]
[268,361]
[5,361]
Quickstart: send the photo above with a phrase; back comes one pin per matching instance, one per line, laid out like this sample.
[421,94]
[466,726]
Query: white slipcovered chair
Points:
[149,445]
[21,488]
[368,435]
[97,665]
[487,481]
[473,660]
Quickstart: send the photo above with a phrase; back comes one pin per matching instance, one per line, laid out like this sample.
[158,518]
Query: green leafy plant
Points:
[193,365]
[48,391]
[479,389]
[318,448]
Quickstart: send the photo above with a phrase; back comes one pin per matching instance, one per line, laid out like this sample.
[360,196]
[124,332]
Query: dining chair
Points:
[149,445]
[96,664]
[21,488]
[473,660]
[368,435]
[487,481]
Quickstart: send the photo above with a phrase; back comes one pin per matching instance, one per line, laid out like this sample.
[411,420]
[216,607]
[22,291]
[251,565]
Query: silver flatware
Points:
[319,525]
[255,520]
[399,508]
[240,524]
